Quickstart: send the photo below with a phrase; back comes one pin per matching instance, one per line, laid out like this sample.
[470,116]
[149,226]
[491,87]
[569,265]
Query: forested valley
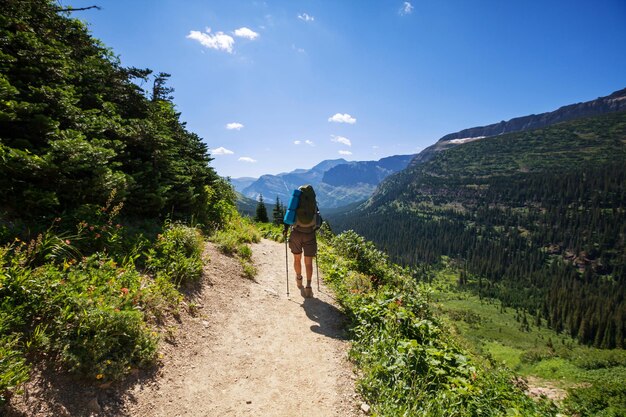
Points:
[535,219]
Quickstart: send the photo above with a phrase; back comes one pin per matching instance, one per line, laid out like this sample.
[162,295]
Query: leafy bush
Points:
[89,314]
[603,399]
[234,240]
[13,368]
[272,231]
[177,254]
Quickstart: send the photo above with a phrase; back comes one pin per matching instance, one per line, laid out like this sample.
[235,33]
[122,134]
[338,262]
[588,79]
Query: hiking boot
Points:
[308,292]
[299,282]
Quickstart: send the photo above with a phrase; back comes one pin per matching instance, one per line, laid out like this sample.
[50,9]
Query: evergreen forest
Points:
[536,219]
[77,126]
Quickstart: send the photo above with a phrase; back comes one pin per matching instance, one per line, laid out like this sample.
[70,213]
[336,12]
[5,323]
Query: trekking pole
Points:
[317,268]
[287,266]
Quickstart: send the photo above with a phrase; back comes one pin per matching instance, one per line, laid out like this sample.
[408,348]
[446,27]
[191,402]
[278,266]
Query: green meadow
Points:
[521,341]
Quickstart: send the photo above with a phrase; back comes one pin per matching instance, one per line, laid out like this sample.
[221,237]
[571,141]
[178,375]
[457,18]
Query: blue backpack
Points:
[302,209]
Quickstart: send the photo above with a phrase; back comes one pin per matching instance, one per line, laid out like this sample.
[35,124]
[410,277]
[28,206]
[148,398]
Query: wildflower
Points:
[91,228]
[99,376]
[119,226]
[124,291]
[58,219]
[97,235]
[67,241]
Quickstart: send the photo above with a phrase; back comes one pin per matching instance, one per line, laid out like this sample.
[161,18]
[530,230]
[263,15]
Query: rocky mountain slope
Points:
[614,102]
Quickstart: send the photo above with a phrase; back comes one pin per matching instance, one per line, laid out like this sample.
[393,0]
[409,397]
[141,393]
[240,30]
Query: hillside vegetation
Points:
[410,364]
[536,219]
[99,182]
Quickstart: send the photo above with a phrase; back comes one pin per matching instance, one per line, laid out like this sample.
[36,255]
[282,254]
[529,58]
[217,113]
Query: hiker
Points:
[304,218]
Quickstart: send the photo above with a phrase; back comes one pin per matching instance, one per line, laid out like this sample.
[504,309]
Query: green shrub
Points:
[249,270]
[105,342]
[603,399]
[13,368]
[244,251]
[177,254]
[234,240]
[536,355]
[272,231]
[89,315]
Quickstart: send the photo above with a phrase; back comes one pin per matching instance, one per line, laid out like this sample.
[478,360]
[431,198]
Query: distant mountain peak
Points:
[337,182]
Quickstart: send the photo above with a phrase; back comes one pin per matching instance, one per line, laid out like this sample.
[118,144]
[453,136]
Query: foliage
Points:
[234,240]
[261,211]
[272,231]
[92,314]
[409,363]
[13,367]
[76,125]
[278,212]
[600,400]
[220,206]
[90,165]
[177,254]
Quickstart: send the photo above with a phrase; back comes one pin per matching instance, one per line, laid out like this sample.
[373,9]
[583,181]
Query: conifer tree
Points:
[279,212]
[261,211]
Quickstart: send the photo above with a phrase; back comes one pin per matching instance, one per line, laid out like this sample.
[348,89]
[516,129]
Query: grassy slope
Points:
[491,330]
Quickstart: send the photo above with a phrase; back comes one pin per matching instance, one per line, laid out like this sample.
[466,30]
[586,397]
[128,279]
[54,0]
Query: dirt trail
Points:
[271,356]
[247,351]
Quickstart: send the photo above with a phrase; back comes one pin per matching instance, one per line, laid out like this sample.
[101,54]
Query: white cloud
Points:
[345,153]
[341,139]
[299,50]
[234,126]
[219,40]
[247,159]
[222,151]
[306,142]
[246,33]
[342,118]
[297,142]
[306,17]
[407,8]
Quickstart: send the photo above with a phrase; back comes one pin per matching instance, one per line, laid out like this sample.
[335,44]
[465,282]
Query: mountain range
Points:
[337,182]
[614,102]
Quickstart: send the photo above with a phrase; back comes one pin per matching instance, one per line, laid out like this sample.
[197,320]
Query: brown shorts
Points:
[300,241]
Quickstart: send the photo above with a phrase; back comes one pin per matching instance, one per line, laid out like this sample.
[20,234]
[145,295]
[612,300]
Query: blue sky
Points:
[272,86]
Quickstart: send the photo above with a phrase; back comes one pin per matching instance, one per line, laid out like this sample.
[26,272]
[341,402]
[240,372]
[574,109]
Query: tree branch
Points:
[71,9]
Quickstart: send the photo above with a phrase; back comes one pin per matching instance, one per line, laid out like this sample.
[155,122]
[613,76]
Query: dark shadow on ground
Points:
[331,322]
[65,395]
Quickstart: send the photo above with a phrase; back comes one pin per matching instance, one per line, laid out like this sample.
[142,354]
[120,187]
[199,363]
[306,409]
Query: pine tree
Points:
[279,212]
[261,211]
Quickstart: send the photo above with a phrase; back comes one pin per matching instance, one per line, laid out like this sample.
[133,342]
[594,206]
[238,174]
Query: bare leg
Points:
[297,266]
[308,264]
